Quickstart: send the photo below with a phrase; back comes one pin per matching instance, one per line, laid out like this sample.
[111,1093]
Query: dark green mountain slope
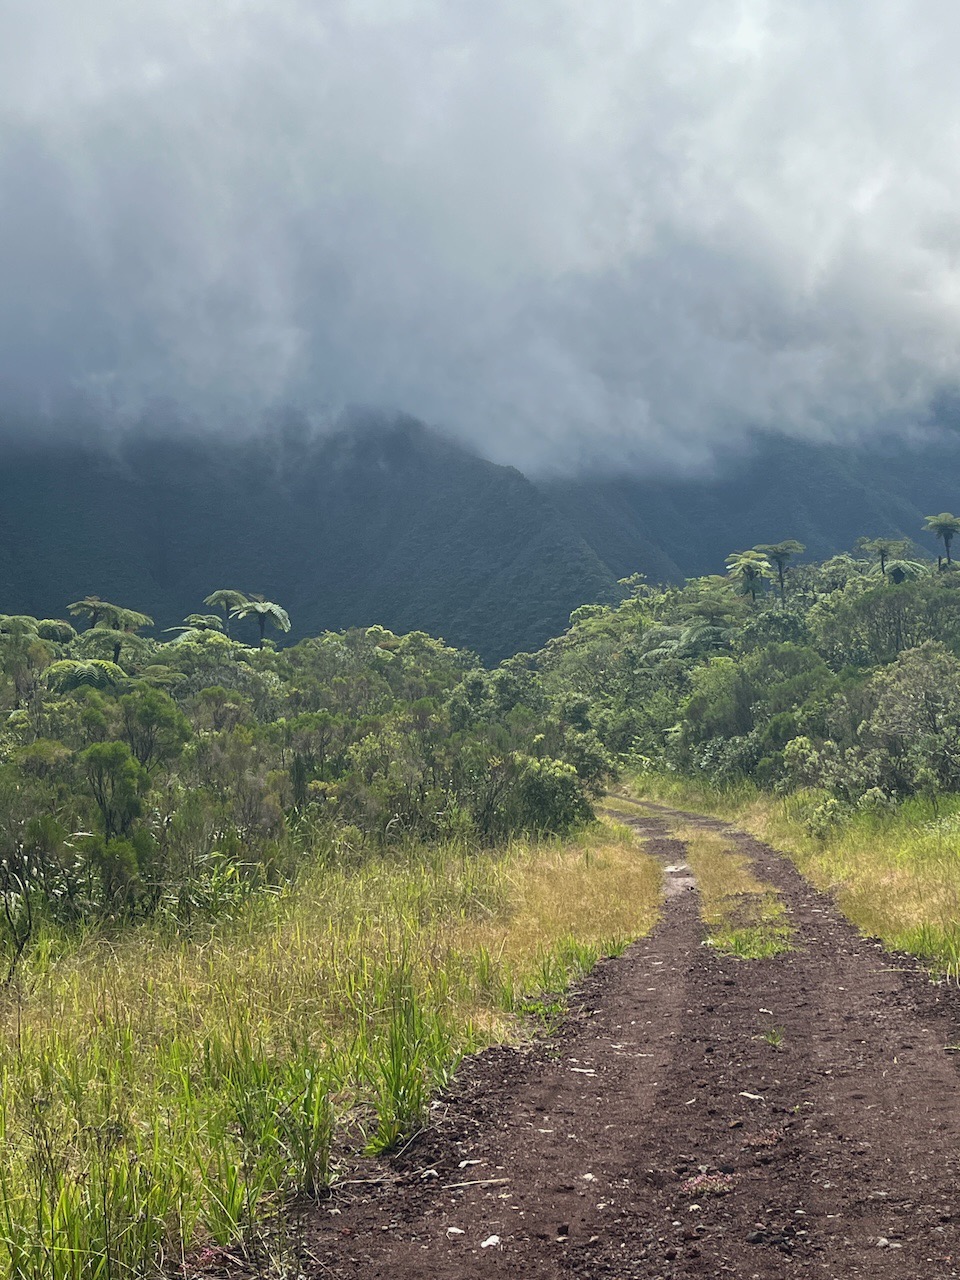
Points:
[387,523]
[824,495]
[391,522]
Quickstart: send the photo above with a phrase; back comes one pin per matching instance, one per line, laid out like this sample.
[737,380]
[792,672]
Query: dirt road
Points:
[698,1115]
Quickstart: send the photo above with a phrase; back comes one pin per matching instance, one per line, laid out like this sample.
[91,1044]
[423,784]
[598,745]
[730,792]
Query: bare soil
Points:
[696,1115]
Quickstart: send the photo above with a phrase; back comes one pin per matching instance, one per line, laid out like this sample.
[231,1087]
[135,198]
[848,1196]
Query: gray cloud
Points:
[577,235]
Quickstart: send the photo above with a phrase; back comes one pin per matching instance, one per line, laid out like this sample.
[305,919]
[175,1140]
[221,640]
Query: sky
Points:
[610,236]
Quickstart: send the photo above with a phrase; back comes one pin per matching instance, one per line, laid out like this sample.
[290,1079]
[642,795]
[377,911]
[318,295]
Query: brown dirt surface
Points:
[668,1131]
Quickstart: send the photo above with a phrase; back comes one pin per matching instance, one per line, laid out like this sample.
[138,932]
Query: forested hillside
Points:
[674,527]
[388,522]
[257,896]
[839,678]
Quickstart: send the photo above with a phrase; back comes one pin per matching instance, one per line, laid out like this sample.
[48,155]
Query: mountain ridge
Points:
[388,521]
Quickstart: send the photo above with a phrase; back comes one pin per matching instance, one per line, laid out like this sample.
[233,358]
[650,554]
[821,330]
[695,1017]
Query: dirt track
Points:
[835,1154]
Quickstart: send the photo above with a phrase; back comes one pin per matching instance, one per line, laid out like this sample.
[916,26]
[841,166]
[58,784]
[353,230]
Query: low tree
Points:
[835,573]
[917,718]
[95,610]
[226,601]
[111,645]
[635,586]
[154,726]
[128,623]
[945,526]
[884,550]
[264,611]
[104,616]
[902,570]
[195,622]
[95,673]
[18,624]
[23,657]
[117,782]
[709,600]
[56,629]
[780,554]
[751,569]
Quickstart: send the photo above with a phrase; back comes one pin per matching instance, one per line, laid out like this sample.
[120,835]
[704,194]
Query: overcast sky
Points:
[609,233]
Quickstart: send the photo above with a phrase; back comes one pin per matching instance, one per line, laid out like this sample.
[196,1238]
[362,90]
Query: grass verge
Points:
[159,1094]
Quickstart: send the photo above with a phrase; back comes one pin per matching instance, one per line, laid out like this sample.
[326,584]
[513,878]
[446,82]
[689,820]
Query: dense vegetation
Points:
[841,677]
[255,903]
[141,776]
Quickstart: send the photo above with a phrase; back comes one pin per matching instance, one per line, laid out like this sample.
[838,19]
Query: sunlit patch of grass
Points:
[744,916]
[619,813]
[753,942]
[895,875]
[687,793]
[158,1094]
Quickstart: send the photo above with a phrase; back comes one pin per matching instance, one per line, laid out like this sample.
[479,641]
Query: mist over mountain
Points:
[384,522]
[610,237]
[387,521]
[693,270]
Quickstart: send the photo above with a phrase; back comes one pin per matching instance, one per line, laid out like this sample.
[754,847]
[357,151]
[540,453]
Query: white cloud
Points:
[608,234]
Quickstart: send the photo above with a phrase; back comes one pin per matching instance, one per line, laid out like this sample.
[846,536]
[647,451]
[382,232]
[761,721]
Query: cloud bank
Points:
[607,235]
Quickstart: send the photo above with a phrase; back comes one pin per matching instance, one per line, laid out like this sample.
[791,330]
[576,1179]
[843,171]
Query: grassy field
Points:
[160,1094]
[895,873]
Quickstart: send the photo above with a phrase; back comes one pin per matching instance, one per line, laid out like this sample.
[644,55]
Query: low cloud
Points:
[607,236]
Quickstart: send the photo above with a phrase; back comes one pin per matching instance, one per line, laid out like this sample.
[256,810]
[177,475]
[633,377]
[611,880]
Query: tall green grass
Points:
[161,1094]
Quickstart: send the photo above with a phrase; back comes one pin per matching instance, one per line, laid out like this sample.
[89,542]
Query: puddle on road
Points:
[678,875]
[677,878]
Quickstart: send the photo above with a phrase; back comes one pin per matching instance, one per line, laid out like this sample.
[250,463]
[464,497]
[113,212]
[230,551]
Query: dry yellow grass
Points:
[292,964]
[895,876]
[607,889]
